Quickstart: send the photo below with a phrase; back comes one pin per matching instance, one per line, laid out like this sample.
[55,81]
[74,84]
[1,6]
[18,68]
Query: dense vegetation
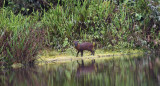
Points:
[27,26]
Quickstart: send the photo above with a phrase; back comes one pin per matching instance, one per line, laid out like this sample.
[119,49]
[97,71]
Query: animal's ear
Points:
[75,41]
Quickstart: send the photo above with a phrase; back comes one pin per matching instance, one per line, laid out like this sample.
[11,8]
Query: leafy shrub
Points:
[19,42]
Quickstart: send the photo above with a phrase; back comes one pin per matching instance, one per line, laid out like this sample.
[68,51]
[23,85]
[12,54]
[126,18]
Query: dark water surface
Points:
[141,71]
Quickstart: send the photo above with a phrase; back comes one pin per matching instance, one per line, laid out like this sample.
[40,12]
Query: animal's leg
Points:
[82,53]
[77,54]
[92,53]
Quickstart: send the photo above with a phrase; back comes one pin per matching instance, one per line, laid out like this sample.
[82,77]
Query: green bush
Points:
[19,41]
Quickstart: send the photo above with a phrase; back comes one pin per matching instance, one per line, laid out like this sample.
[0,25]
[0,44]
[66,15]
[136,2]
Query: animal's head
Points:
[75,43]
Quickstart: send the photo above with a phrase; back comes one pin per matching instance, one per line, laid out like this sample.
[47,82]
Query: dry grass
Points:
[70,55]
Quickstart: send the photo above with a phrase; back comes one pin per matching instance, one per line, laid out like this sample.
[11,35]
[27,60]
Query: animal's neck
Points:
[77,46]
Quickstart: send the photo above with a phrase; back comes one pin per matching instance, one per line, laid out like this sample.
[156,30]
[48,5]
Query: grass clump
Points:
[20,39]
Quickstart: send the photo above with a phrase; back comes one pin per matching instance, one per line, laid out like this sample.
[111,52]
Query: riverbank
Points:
[47,56]
[52,56]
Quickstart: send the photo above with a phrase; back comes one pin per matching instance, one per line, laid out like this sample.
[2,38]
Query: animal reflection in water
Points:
[86,69]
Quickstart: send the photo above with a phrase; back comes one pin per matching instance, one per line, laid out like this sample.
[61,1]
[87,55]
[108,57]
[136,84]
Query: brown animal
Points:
[84,46]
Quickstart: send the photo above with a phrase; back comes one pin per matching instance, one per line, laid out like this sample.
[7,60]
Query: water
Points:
[139,71]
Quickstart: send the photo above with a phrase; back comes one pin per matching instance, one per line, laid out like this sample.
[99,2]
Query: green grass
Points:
[20,37]
[112,26]
[49,55]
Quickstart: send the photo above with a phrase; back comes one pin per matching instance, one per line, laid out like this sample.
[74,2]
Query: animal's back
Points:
[86,46]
